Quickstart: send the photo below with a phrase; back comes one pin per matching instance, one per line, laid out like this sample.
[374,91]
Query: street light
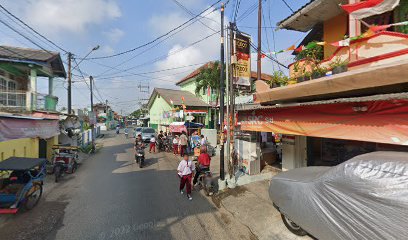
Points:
[82,59]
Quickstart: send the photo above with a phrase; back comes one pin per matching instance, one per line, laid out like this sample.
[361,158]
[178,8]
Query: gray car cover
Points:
[365,197]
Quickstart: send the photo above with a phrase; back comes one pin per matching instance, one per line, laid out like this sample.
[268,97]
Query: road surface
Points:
[109,197]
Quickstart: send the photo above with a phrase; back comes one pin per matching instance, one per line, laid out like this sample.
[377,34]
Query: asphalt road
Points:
[109,197]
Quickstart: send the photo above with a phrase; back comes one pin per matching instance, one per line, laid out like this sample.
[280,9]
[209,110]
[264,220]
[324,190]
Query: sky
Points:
[77,26]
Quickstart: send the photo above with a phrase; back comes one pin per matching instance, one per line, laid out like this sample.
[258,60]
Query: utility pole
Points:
[69,83]
[259,60]
[93,114]
[222,90]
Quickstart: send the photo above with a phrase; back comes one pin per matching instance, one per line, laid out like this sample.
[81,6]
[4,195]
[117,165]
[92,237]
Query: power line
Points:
[192,14]
[142,52]
[21,21]
[287,5]
[158,38]
[169,54]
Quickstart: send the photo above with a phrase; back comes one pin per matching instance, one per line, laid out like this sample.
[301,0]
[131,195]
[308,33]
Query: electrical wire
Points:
[166,55]
[287,5]
[109,68]
[25,24]
[157,38]
[192,14]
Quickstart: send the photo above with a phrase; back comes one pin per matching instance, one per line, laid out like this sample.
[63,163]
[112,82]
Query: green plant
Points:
[313,53]
[338,62]
[279,78]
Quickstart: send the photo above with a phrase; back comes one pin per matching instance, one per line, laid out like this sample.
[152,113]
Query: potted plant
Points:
[339,65]
[318,72]
[279,79]
[292,81]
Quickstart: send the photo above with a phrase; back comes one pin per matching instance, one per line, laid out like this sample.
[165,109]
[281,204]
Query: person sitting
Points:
[204,161]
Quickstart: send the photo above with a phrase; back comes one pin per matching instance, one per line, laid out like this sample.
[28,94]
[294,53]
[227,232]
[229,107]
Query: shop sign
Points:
[242,66]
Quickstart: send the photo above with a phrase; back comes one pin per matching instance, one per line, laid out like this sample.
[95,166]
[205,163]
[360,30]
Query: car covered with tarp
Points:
[365,197]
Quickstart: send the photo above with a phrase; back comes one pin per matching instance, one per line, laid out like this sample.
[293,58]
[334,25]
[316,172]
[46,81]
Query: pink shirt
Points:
[185,168]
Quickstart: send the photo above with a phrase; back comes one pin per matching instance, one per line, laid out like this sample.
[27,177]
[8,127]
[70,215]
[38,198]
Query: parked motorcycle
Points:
[140,157]
[65,160]
[205,181]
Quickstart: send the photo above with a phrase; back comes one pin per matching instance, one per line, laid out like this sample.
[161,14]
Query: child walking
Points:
[185,170]
[152,144]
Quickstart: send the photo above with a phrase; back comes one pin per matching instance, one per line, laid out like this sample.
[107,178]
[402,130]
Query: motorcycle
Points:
[205,181]
[140,156]
[168,146]
[65,160]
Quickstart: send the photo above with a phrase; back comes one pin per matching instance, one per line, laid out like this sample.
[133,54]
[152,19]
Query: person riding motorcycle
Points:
[204,161]
[139,143]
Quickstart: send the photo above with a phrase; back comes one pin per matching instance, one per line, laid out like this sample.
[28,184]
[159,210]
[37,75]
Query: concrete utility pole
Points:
[93,114]
[222,90]
[259,60]
[69,83]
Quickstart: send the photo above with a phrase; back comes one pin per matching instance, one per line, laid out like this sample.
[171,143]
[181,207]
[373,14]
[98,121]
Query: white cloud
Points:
[53,17]
[204,51]
[107,50]
[114,35]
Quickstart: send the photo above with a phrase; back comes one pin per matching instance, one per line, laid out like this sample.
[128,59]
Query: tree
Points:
[209,77]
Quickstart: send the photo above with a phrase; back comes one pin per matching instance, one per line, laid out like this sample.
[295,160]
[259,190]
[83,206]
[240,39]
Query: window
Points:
[7,87]
[203,91]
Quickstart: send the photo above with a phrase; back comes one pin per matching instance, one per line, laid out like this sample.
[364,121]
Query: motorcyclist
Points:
[117,129]
[204,161]
[139,144]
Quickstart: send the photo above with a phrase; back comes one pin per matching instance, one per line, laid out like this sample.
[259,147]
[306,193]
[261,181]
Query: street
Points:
[109,197]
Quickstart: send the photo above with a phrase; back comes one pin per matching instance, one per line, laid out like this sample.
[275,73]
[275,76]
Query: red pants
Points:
[183,149]
[186,180]
[175,148]
[152,146]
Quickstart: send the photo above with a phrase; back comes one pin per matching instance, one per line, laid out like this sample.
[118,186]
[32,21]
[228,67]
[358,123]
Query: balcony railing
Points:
[21,101]
[382,48]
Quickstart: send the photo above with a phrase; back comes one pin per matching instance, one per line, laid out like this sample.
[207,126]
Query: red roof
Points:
[193,74]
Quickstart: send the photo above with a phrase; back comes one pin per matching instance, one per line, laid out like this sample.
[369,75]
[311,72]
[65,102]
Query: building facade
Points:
[329,119]
[28,119]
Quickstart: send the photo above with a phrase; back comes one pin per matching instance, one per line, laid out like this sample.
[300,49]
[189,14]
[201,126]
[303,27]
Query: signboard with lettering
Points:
[242,66]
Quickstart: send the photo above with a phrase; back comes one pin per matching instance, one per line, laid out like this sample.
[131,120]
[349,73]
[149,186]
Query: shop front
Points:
[333,131]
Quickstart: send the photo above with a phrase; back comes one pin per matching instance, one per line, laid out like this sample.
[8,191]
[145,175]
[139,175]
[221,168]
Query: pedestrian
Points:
[175,145]
[152,144]
[203,141]
[183,143]
[185,171]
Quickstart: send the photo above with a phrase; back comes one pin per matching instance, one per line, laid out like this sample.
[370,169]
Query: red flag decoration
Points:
[263,55]
[182,99]
[379,28]
[370,8]
[300,48]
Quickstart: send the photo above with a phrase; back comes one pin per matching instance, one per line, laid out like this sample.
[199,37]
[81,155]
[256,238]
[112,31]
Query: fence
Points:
[86,137]
[20,101]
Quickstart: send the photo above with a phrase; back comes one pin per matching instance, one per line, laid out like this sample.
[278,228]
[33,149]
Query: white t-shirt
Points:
[175,141]
[153,140]
[185,168]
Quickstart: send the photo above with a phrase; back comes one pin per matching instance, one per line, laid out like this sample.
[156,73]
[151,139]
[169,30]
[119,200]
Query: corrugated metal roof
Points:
[175,95]
[28,55]
[379,97]
[193,74]
[312,13]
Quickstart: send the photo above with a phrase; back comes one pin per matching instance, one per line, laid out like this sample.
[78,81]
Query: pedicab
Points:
[65,160]
[22,183]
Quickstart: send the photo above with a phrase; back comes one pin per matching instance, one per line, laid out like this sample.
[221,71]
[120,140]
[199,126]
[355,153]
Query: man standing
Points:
[183,143]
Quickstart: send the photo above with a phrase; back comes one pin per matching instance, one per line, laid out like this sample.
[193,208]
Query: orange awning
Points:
[377,121]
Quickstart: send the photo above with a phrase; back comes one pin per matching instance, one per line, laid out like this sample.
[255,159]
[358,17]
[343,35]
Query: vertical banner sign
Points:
[242,67]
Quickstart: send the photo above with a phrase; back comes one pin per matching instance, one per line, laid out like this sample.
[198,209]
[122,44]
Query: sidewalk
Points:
[249,203]
[251,206]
